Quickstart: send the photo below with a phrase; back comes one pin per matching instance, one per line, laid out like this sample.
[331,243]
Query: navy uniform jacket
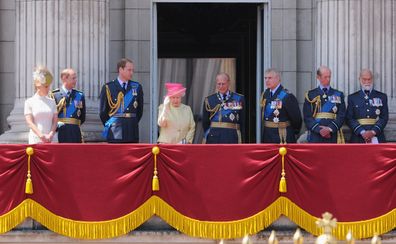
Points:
[289,111]
[123,126]
[72,111]
[374,106]
[332,103]
[231,112]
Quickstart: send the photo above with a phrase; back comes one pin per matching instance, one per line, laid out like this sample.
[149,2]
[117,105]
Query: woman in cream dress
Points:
[40,110]
[176,120]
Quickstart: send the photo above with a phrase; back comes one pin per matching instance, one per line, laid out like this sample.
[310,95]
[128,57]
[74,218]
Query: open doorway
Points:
[195,41]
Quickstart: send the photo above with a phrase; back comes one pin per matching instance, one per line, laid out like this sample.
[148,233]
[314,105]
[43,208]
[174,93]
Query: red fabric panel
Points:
[13,171]
[219,183]
[354,181]
[92,182]
[96,182]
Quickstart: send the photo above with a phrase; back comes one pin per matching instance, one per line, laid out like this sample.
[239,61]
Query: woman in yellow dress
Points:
[175,119]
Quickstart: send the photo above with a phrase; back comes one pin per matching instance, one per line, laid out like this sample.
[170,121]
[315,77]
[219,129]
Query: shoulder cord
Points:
[114,106]
[212,111]
[318,104]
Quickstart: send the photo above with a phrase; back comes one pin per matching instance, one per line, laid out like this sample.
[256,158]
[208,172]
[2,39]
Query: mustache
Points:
[367,87]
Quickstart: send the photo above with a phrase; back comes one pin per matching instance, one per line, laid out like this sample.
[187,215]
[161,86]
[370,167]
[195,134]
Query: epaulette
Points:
[238,94]
[135,81]
[355,93]
[213,94]
[77,90]
[56,90]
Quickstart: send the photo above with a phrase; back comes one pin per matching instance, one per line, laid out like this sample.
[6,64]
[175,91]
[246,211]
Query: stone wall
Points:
[7,60]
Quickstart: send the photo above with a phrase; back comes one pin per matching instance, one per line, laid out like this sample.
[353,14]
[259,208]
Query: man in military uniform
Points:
[71,108]
[324,110]
[367,112]
[223,117]
[281,115]
[121,105]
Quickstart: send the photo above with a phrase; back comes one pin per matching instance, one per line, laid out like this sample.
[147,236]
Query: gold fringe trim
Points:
[14,217]
[217,230]
[360,229]
[77,229]
[192,227]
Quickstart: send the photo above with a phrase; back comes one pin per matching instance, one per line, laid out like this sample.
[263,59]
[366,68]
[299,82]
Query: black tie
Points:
[124,86]
[68,94]
[325,90]
[271,94]
[367,92]
[225,97]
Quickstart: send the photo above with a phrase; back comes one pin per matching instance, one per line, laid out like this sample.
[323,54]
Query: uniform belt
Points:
[224,125]
[71,121]
[125,115]
[325,116]
[367,121]
[271,124]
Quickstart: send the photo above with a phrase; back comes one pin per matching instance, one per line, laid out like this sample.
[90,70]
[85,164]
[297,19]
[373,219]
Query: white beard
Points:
[367,87]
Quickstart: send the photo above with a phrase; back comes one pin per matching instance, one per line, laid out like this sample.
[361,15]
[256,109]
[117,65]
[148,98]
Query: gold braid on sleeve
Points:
[315,101]
[114,106]
[212,111]
[263,101]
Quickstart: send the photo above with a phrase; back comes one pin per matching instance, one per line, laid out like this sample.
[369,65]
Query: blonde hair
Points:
[42,75]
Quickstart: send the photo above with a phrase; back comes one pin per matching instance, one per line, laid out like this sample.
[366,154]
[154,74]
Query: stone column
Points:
[60,34]
[356,34]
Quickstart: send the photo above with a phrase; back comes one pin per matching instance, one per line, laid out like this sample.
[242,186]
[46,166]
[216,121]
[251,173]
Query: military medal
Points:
[134,92]
[78,112]
[366,97]
[135,104]
[335,109]
[377,111]
[232,117]
[324,96]
[276,113]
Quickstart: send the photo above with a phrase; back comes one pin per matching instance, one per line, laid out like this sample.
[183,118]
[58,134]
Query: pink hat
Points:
[174,89]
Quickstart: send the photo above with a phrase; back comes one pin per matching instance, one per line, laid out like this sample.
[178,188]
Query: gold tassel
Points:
[155,183]
[29,183]
[282,183]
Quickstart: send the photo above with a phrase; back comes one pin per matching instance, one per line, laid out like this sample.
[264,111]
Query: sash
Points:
[222,111]
[268,110]
[71,109]
[328,105]
[128,97]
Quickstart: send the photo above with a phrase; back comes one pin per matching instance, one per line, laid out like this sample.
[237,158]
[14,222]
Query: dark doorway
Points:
[214,30]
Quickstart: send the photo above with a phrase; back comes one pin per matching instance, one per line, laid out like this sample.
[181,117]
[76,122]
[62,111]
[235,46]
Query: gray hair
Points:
[321,69]
[273,71]
[366,71]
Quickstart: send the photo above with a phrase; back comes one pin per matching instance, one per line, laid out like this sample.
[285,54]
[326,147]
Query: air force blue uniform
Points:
[121,111]
[281,116]
[324,109]
[223,119]
[367,112]
[71,114]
